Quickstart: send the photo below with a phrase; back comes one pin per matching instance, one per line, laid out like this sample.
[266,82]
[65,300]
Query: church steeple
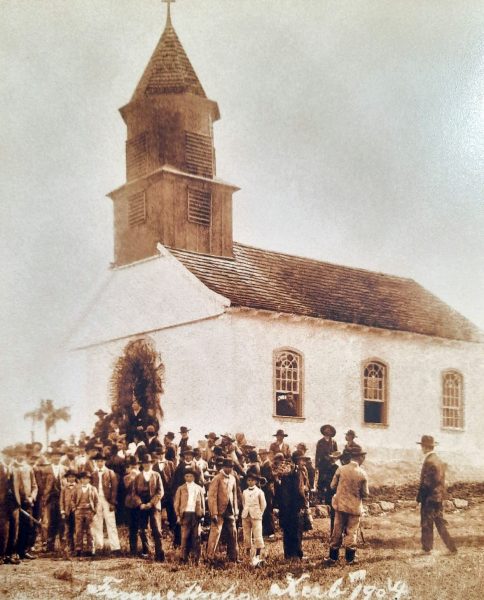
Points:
[171,194]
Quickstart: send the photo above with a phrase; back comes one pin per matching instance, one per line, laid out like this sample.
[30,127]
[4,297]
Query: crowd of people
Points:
[63,500]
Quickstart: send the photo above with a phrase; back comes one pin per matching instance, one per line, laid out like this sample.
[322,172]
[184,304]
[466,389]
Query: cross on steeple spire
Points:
[168,11]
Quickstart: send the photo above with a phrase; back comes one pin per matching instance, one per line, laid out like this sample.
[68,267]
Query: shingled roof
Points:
[266,280]
[169,70]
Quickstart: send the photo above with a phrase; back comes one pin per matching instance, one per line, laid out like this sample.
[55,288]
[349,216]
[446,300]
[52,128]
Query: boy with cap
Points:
[84,506]
[190,508]
[254,505]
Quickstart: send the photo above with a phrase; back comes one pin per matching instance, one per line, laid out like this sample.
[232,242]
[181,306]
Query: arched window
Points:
[452,400]
[375,392]
[288,380]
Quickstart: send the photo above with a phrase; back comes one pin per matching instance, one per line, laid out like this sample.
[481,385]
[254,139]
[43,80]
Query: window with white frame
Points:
[288,383]
[452,400]
[375,393]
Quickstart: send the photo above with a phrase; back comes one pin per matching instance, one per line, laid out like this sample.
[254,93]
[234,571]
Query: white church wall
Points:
[219,377]
[333,358]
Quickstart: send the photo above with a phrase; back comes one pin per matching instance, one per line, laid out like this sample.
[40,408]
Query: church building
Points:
[222,336]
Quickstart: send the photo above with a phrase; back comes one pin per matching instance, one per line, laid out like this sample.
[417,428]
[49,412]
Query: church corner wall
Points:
[333,358]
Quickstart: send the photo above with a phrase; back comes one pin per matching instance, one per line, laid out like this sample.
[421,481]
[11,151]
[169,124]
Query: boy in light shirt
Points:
[254,504]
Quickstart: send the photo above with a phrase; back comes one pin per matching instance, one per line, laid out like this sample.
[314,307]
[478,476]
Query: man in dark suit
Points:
[152,442]
[137,420]
[54,475]
[431,495]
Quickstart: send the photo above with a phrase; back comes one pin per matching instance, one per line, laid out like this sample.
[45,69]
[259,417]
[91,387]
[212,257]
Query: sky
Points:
[354,129]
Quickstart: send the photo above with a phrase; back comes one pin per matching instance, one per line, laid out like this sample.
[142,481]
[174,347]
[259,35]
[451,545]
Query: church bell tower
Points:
[171,194]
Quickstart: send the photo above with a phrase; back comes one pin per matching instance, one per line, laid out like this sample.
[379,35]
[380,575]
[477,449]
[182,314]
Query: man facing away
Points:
[431,495]
[351,484]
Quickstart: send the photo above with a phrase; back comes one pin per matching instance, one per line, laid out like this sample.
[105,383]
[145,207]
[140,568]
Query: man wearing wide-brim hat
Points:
[430,495]
[325,446]
[351,484]
[147,493]
[207,452]
[279,445]
[224,510]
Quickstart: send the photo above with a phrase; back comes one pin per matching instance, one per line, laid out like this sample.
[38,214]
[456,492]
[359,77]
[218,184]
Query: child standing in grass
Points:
[84,503]
[254,505]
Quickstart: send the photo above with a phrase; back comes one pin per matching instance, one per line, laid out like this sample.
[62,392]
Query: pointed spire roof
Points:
[169,71]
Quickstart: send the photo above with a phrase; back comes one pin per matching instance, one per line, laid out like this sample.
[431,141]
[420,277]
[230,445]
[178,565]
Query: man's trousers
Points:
[55,523]
[83,527]
[152,517]
[104,514]
[345,530]
[268,526]
[190,536]
[430,513]
[252,533]
[25,527]
[9,521]
[228,520]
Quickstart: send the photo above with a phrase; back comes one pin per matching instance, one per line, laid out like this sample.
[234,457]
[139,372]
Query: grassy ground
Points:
[387,557]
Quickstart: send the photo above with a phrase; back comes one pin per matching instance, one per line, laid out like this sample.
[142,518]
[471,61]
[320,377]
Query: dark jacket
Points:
[109,484]
[432,479]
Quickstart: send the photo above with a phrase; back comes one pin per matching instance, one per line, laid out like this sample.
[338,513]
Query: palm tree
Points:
[51,415]
[36,416]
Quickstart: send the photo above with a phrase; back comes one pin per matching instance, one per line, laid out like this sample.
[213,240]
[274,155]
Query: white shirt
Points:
[100,484]
[56,469]
[192,496]
[147,475]
[229,481]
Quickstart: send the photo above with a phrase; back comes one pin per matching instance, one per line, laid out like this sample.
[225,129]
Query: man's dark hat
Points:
[296,456]
[99,456]
[280,432]
[70,473]
[146,458]
[228,462]
[150,429]
[279,456]
[354,451]
[170,435]
[253,475]
[187,450]
[331,429]
[212,436]
[100,413]
[184,430]
[427,440]
[55,450]
[351,432]
[219,461]
[82,474]
[131,461]
[189,472]
[218,451]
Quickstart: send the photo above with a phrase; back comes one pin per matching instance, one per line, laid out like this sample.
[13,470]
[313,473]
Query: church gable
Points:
[147,296]
[273,281]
